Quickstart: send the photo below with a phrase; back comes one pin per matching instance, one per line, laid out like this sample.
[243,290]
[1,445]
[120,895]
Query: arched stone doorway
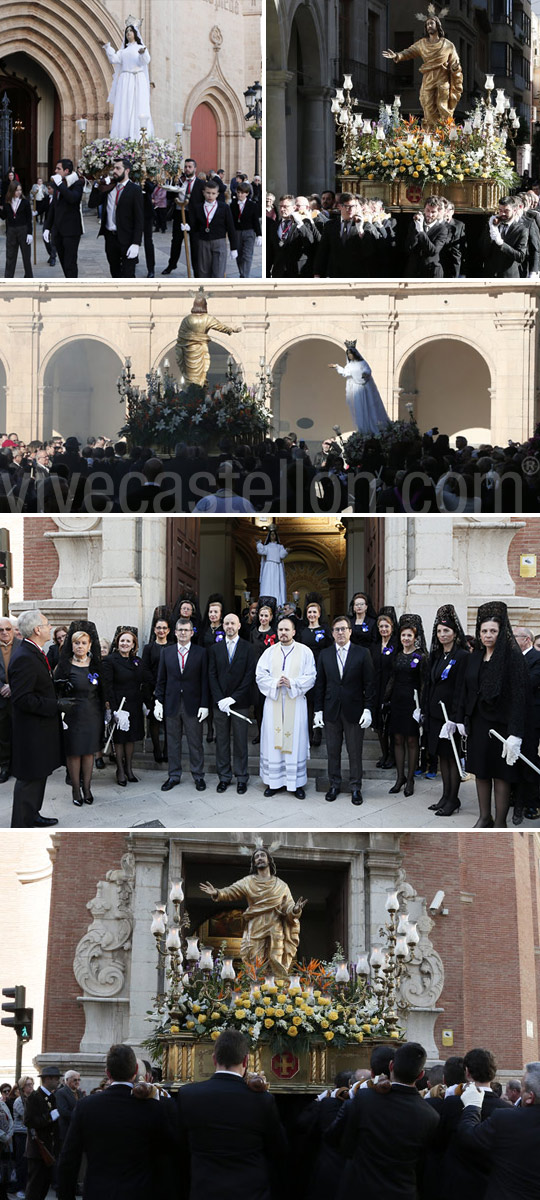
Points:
[79,390]
[449,384]
[35,110]
[305,104]
[309,397]
[219,356]
[204,138]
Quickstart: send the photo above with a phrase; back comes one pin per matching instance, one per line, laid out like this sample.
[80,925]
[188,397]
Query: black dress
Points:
[363,632]
[407,677]
[85,720]
[505,713]
[127,677]
[444,682]
[383,658]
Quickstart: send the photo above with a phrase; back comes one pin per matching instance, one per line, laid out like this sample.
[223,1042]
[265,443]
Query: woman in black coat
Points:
[495,695]
[403,692]
[126,679]
[161,636]
[317,635]
[79,678]
[17,213]
[383,652]
[362,615]
[448,659]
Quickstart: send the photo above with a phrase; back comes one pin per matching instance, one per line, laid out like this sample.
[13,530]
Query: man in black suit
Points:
[190,192]
[386,1134]
[463,1173]
[288,240]
[7,647]
[247,224]
[37,730]
[63,223]
[212,223]
[454,251]
[128,1140]
[182,697]
[234,1137]
[505,242]
[231,664]
[428,234]
[42,1122]
[527,800]
[122,220]
[508,1142]
[348,247]
[343,700]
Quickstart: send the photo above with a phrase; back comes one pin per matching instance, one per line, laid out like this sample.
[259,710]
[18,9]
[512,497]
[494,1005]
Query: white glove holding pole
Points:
[511,749]
[365,719]
[318,722]
[121,717]
[29,239]
[258,241]
[57,179]
[226,704]
[46,236]
[202,714]
[448,728]
[158,710]
[133,251]
[471,1097]
[417,715]
[234,253]
[185,228]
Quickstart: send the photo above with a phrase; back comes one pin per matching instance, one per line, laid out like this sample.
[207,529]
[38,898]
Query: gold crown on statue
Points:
[432,12]
[135,21]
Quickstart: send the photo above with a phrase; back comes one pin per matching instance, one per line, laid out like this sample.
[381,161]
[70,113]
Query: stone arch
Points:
[449,390]
[223,102]
[78,388]
[304,99]
[68,46]
[276,39]
[308,397]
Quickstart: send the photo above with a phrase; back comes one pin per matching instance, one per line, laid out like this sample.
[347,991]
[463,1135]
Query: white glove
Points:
[448,728]
[297,218]
[158,710]
[202,714]
[417,715]
[511,749]
[360,225]
[46,236]
[258,242]
[492,219]
[318,722]
[471,1097]
[234,253]
[122,719]
[419,221]
[57,179]
[225,704]
[461,729]
[29,239]
[365,719]
[133,251]
[495,235]
[185,228]
[145,710]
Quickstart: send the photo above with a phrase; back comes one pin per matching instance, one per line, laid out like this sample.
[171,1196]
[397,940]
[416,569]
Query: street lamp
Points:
[253,99]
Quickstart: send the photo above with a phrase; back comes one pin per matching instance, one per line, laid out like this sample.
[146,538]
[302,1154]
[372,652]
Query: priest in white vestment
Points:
[285,673]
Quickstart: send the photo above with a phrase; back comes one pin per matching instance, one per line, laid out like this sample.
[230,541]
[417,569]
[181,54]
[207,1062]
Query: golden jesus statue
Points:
[192,353]
[442,76]
[272,918]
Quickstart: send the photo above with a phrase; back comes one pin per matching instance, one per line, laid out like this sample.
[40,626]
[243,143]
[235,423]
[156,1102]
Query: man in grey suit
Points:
[182,697]
[7,635]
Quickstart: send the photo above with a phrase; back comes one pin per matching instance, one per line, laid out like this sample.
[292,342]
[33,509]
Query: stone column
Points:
[316,152]
[22,409]
[115,596]
[354,532]
[150,853]
[433,579]
[276,162]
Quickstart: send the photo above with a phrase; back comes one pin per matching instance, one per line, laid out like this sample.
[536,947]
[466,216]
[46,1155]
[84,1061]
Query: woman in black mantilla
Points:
[403,692]
[187,607]
[363,619]
[383,652]
[79,678]
[495,695]
[161,636]
[263,635]
[448,659]
[126,678]
[317,635]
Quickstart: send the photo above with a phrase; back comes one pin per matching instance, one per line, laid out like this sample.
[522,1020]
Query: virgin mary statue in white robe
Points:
[362,394]
[284,730]
[130,91]
[272,581]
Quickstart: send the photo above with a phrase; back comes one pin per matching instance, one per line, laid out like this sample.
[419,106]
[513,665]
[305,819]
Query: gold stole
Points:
[285,705]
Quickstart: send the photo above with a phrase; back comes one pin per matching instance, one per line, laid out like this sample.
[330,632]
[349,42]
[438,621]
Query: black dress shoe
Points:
[357,797]
[99,764]
[332,793]
[517,815]
[200,785]
[76,797]
[241,788]
[44,822]
[158,758]
[397,787]
[270,791]
[300,794]
[131,778]
[256,741]
[88,799]
[167,271]
[169,783]
[120,782]
[222,786]
[210,737]
[409,788]
[4,775]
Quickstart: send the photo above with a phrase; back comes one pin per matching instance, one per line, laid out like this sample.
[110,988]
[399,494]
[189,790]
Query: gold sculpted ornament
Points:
[192,353]
[442,76]
[271,920]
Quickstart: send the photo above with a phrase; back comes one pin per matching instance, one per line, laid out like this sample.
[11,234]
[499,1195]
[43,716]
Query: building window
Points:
[502,12]
[405,70]
[501,59]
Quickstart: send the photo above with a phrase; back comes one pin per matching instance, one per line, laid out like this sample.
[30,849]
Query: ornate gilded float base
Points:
[188,1061]
[472,195]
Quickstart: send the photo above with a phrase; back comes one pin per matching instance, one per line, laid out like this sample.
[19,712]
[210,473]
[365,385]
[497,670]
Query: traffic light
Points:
[5,560]
[22,1018]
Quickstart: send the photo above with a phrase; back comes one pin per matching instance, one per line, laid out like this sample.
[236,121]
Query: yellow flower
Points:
[297,1020]
[190,1024]
[175,1029]
[240,1014]
[282,999]
[256,993]
[324,1000]
[333,1016]
[259,1012]
[223,1009]
[299,1002]
[195,1008]
[214,1035]
[214,1016]
[359,1037]
[352,1022]
[268,1023]
[366,1028]
[394,1033]
[289,1009]
[266,1000]
[202,1019]
[324,1024]
[238,1001]
[371,176]
[402,170]
[440,177]
[308,1011]
[292,1031]
[415,174]
[329,1035]
[279,1012]
[270,1012]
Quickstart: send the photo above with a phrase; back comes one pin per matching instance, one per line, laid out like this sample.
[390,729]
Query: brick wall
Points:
[40,559]
[81,860]
[525,541]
